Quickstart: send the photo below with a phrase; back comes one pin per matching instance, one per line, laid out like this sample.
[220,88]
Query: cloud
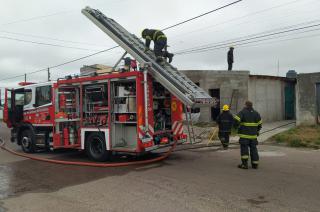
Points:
[238,20]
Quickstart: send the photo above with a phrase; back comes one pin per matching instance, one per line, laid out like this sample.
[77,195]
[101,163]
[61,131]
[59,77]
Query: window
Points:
[27,97]
[43,95]
[19,99]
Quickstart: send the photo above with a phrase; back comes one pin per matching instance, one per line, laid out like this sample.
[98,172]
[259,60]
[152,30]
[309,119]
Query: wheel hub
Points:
[26,142]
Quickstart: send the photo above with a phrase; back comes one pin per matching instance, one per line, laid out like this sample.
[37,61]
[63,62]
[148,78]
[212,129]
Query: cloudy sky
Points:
[61,23]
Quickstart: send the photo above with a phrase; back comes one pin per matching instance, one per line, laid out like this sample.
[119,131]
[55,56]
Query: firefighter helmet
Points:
[225,108]
[144,33]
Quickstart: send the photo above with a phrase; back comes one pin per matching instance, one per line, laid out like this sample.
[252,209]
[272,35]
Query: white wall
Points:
[267,96]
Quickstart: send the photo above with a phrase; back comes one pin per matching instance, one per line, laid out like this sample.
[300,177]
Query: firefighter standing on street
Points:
[249,122]
[225,122]
[230,58]
[160,43]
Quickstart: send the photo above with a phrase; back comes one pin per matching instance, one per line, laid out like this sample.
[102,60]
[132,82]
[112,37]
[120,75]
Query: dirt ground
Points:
[204,179]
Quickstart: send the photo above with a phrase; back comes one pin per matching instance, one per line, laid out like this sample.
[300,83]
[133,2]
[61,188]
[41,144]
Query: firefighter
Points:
[127,64]
[225,122]
[160,43]
[249,122]
[230,58]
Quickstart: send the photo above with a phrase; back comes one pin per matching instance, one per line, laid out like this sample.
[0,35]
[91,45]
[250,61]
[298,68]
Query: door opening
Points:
[215,110]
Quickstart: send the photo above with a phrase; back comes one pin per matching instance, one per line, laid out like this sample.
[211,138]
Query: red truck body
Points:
[100,114]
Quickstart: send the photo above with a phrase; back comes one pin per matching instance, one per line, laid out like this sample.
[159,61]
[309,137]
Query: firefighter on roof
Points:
[160,43]
[249,122]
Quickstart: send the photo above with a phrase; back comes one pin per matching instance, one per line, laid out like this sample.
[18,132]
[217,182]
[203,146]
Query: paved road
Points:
[194,180]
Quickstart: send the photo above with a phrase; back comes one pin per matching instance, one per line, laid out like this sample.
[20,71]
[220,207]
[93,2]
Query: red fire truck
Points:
[98,114]
[134,111]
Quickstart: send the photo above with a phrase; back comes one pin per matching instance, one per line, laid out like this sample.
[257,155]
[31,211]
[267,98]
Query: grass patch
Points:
[302,136]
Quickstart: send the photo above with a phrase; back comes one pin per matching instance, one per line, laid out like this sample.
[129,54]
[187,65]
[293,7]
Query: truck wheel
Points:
[96,147]
[27,141]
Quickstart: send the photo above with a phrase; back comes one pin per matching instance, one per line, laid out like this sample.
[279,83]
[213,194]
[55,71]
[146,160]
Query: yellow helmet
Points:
[225,108]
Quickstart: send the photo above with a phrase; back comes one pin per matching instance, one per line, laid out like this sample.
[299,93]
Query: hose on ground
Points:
[92,164]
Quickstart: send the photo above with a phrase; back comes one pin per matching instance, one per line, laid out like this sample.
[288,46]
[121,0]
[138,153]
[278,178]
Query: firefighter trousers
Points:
[159,46]
[247,145]
[224,138]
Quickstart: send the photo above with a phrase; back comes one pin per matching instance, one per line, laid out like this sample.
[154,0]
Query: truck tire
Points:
[27,141]
[96,147]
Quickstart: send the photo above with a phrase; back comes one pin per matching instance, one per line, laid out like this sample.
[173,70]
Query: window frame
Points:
[37,90]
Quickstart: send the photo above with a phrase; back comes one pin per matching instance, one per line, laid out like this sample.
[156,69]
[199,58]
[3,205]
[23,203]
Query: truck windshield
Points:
[19,97]
[27,97]
[43,95]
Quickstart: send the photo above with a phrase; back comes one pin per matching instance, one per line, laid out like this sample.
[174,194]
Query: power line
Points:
[48,38]
[65,63]
[255,34]
[256,41]
[201,15]
[99,52]
[46,44]
[283,40]
[238,18]
[196,49]
[35,18]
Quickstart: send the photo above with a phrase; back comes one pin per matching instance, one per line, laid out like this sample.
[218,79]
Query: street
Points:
[204,179]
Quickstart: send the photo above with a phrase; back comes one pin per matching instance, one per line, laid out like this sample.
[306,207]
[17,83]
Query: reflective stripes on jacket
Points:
[154,35]
[249,122]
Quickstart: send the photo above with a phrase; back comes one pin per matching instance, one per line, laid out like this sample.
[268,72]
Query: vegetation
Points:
[302,136]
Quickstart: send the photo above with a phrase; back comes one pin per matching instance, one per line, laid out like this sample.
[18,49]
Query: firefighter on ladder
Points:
[160,43]
[249,122]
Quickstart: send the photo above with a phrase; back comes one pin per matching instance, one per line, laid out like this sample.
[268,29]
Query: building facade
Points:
[308,99]
[273,97]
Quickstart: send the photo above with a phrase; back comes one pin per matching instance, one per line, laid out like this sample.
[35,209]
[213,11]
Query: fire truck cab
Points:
[29,113]
[99,114]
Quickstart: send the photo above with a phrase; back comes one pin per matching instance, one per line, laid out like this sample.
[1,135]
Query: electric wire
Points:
[236,19]
[61,64]
[35,18]
[234,42]
[48,38]
[46,44]
[256,41]
[201,15]
[256,34]
[102,51]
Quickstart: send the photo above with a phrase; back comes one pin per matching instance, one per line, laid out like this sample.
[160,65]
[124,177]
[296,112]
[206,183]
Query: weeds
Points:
[302,136]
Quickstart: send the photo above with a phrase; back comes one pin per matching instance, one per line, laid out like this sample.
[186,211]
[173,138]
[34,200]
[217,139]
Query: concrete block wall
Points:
[267,96]
[226,81]
[306,98]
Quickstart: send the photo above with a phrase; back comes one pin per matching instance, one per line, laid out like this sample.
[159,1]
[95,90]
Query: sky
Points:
[61,23]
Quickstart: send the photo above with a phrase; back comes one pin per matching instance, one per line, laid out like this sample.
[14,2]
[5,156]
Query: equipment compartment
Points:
[124,116]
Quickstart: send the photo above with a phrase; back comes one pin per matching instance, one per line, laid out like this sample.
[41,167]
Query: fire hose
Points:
[92,164]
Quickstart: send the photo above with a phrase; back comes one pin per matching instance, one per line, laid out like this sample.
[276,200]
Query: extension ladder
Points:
[173,80]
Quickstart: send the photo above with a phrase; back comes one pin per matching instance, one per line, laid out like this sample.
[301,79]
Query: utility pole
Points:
[48,74]
[25,77]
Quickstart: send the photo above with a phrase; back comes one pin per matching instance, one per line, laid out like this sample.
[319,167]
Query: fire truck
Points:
[133,112]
